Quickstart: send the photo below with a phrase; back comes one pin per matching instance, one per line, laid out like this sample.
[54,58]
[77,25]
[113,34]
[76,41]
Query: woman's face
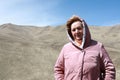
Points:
[77,30]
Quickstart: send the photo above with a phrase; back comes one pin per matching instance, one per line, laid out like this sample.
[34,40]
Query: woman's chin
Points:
[78,39]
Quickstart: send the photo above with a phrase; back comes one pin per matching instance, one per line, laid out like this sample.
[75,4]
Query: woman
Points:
[83,58]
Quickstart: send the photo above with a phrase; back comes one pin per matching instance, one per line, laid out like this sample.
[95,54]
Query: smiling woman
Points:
[83,58]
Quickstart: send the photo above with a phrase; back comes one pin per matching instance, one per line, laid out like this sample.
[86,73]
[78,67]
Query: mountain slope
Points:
[29,53]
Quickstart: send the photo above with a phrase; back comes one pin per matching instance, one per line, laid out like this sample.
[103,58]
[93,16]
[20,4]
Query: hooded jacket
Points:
[90,61]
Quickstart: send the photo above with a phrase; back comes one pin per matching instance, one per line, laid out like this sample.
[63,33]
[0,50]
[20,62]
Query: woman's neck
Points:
[78,42]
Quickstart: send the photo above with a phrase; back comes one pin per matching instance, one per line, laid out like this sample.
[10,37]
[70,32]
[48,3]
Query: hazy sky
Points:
[57,12]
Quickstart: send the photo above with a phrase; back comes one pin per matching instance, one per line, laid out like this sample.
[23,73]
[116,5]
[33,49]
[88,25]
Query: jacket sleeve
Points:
[59,67]
[106,65]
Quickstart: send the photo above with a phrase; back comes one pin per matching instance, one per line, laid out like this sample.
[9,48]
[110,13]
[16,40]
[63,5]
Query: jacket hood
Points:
[86,39]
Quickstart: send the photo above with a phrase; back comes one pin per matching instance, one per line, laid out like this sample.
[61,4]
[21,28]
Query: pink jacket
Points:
[91,62]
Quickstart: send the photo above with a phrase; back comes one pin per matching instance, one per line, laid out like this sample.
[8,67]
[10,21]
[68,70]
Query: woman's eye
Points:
[73,29]
[79,28]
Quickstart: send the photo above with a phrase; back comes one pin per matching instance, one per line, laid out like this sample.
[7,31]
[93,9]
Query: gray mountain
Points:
[30,52]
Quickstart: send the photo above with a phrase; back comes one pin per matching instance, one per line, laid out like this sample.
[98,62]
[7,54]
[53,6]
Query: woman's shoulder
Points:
[67,47]
[69,44]
[95,42]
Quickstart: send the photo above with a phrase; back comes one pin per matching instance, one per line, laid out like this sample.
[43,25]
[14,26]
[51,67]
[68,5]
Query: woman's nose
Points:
[76,30]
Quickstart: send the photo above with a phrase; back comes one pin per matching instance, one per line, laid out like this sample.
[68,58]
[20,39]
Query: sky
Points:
[57,12]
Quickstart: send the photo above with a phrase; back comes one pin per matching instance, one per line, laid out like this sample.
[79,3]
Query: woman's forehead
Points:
[76,24]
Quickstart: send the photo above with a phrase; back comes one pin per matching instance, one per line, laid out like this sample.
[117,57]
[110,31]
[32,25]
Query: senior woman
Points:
[83,58]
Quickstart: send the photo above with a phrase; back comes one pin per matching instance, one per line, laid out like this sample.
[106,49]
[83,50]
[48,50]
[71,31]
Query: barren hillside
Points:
[29,52]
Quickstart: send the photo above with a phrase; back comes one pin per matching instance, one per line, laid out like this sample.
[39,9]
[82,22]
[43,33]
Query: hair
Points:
[73,19]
